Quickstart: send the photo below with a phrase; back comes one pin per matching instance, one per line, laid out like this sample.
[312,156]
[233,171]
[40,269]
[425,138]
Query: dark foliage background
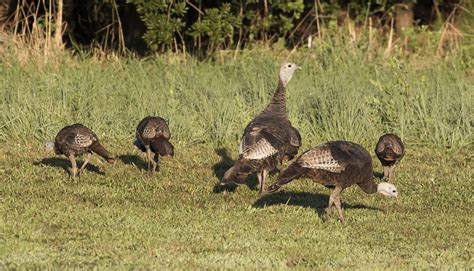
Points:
[200,26]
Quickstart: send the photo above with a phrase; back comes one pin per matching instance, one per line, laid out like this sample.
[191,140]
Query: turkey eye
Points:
[394,191]
[289,66]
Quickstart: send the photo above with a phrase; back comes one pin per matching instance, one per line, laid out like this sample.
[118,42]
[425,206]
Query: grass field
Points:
[116,216]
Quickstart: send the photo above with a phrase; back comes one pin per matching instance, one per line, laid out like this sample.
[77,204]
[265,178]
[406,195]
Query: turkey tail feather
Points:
[390,154]
[164,148]
[100,150]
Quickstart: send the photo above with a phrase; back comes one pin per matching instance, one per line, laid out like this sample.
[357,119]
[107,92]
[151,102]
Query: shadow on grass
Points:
[225,163]
[222,166]
[65,164]
[378,175]
[316,201]
[132,159]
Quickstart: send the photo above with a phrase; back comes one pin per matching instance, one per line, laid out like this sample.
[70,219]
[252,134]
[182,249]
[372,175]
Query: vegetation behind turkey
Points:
[117,216]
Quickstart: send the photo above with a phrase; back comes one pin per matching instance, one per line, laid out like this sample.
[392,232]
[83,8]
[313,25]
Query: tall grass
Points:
[338,94]
[119,217]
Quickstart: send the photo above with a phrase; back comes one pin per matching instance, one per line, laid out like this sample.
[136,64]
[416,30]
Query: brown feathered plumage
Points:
[153,135]
[77,139]
[267,139]
[337,164]
[390,151]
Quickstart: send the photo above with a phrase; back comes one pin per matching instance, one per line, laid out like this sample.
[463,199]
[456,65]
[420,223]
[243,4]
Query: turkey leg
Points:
[148,157]
[335,199]
[261,180]
[86,161]
[337,202]
[390,173]
[154,163]
[386,172]
[73,164]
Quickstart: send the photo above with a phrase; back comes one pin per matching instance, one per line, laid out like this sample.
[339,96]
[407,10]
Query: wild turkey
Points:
[153,135]
[390,151]
[267,139]
[337,164]
[75,140]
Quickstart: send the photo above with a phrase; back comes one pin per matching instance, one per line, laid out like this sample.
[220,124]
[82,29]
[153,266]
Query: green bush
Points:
[208,26]
[232,24]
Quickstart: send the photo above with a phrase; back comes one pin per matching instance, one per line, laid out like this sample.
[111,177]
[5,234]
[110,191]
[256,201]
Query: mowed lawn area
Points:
[118,217]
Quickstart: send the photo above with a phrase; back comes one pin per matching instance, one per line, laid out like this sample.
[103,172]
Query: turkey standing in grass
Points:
[390,151]
[153,135]
[75,140]
[268,138]
[337,164]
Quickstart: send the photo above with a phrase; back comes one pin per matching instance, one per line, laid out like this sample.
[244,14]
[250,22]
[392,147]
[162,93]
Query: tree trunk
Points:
[403,17]
[58,34]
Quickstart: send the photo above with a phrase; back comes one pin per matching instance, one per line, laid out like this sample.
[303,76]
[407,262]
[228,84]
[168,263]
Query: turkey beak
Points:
[298,67]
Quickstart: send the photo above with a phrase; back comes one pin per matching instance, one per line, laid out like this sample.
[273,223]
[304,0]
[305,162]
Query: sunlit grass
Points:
[117,216]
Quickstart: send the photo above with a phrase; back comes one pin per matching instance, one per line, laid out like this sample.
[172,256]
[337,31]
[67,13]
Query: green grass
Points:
[116,216]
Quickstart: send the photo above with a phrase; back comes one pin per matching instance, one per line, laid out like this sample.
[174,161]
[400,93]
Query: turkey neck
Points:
[368,186]
[277,106]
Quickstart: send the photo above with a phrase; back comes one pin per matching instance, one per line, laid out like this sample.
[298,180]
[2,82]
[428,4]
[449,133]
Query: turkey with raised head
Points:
[75,140]
[153,135]
[337,164]
[390,151]
[268,138]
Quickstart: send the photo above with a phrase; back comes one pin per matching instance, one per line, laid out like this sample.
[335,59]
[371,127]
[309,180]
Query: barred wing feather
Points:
[320,157]
[258,144]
